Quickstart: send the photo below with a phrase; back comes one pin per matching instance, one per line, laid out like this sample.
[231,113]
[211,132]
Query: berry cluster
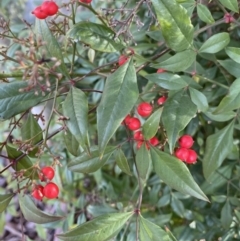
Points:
[48,8]
[184,153]
[50,190]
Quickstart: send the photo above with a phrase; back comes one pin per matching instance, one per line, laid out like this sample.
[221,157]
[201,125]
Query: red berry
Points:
[126,120]
[186,141]
[144,109]
[134,124]
[122,60]
[159,71]
[47,173]
[138,136]
[154,141]
[39,13]
[181,153]
[50,8]
[37,192]
[139,144]
[228,18]
[51,190]
[192,157]
[161,100]
[85,1]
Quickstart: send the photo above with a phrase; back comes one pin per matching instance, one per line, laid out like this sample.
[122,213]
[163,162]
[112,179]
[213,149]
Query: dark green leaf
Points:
[167,81]
[233,53]
[231,66]
[13,101]
[119,96]
[179,62]
[4,201]
[150,231]
[217,148]
[215,43]
[226,215]
[199,99]
[71,143]
[177,112]
[150,127]
[122,162]
[52,46]
[204,14]
[175,24]
[87,164]
[97,36]
[230,4]
[143,162]
[177,206]
[102,228]
[32,214]
[75,107]
[175,173]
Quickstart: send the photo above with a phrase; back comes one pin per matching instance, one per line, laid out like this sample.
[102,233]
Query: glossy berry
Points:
[159,71]
[37,192]
[154,141]
[161,100]
[39,13]
[186,141]
[181,153]
[50,8]
[144,109]
[192,157]
[47,173]
[122,60]
[85,1]
[134,124]
[126,120]
[138,136]
[51,190]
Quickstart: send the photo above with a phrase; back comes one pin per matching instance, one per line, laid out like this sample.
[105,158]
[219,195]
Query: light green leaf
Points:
[178,62]
[226,215]
[97,36]
[150,231]
[167,81]
[233,53]
[119,96]
[143,161]
[199,99]
[71,143]
[52,45]
[204,14]
[175,173]
[231,67]
[4,201]
[13,101]
[32,214]
[102,228]
[175,23]
[215,43]
[87,164]
[226,116]
[230,4]
[150,127]
[177,112]
[232,100]
[218,146]
[75,107]
[122,162]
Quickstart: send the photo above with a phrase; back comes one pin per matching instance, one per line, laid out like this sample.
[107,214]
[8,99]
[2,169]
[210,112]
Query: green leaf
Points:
[13,101]
[4,201]
[32,214]
[119,96]
[150,231]
[75,107]
[226,116]
[167,81]
[102,228]
[233,53]
[218,146]
[71,143]
[177,112]
[215,43]
[122,162]
[231,67]
[45,34]
[230,4]
[204,14]
[150,127]
[232,100]
[97,36]
[178,62]
[175,24]
[177,206]
[226,215]
[87,164]
[143,161]
[175,173]
[199,99]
